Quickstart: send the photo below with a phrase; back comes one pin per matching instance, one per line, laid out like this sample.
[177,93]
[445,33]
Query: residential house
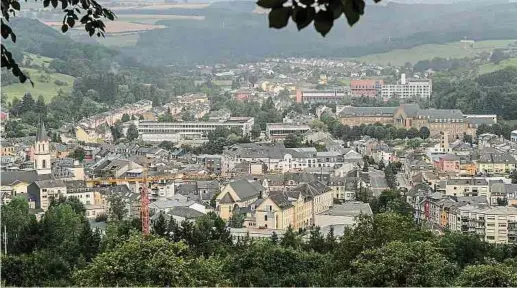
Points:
[43,191]
[492,162]
[468,187]
[239,193]
[448,163]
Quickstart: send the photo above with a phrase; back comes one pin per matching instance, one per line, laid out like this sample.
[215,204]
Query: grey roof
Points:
[185,212]
[435,114]
[9,177]
[368,111]
[411,110]
[41,135]
[280,199]
[502,188]
[476,121]
[312,189]
[50,183]
[468,181]
[497,158]
[246,189]
[349,209]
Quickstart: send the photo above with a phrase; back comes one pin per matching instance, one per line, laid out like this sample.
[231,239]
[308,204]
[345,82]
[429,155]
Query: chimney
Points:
[403,78]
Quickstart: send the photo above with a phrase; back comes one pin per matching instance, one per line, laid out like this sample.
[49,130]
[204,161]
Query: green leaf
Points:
[70,21]
[64,28]
[323,27]
[15,5]
[279,17]
[303,17]
[54,3]
[323,22]
[271,3]
[46,3]
[353,10]
[64,4]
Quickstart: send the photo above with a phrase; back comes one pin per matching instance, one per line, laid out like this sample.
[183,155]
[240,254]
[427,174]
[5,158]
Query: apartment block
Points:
[407,89]
[279,131]
[322,96]
[176,131]
[366,88]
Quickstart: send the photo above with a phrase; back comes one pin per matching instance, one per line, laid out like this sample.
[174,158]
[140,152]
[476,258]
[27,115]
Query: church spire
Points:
[41,135]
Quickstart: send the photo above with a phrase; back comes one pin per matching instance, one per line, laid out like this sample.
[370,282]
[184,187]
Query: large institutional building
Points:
[153,131]
[322,96]
[407,89]
[451,121]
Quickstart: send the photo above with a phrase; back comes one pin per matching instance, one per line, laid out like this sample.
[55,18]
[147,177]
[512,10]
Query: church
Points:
[15,182]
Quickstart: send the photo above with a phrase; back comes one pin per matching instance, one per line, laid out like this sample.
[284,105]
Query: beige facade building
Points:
[493,224]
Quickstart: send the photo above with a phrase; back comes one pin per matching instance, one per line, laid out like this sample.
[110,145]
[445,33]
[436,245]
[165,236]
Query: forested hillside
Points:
[492,93]
[231,32]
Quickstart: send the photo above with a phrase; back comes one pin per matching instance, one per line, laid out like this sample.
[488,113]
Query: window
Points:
[44,164]
[265,219]
[502,224]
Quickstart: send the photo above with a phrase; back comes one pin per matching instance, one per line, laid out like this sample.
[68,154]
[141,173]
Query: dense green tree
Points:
[263,264]
[424,132]
[19,225]
[117,210]
[402,264]
[293,140]
[412,133]
[463,249]
[78,154]
[160,225]
[125,118]
[144,261]
[488,275]
[132,132]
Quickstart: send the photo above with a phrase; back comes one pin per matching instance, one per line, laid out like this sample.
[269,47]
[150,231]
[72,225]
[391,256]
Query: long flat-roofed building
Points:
[279,131]
[355,116]
[407,89]
[152,131]
[366,88]
[322,96]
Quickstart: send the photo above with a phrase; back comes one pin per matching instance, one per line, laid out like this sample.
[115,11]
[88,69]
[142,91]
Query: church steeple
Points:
[42,151]
[41,135]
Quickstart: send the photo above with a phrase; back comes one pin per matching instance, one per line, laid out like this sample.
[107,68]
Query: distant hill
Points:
[232,32]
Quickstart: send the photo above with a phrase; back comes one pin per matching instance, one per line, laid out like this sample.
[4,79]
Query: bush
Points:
[60,83]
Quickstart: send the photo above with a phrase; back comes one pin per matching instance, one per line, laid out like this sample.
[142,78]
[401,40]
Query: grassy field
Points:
[46,89]
[487,68]
[120,40]
[152,19]
[429,51]
[37,59]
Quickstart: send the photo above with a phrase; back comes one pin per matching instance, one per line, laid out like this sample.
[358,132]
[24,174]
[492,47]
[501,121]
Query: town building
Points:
[407,89]
[177,131]
[279,131]
[322,96]
[43,191]
[468,187]
[366,88]
[355,116]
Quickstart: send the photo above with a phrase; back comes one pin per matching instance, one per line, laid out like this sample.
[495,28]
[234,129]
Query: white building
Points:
[493,224]
[513,136]
[407,89]
[277,131]
[152,131]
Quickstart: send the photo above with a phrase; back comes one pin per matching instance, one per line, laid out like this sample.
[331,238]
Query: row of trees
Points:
[386,249]
[492,93]
[377,130]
